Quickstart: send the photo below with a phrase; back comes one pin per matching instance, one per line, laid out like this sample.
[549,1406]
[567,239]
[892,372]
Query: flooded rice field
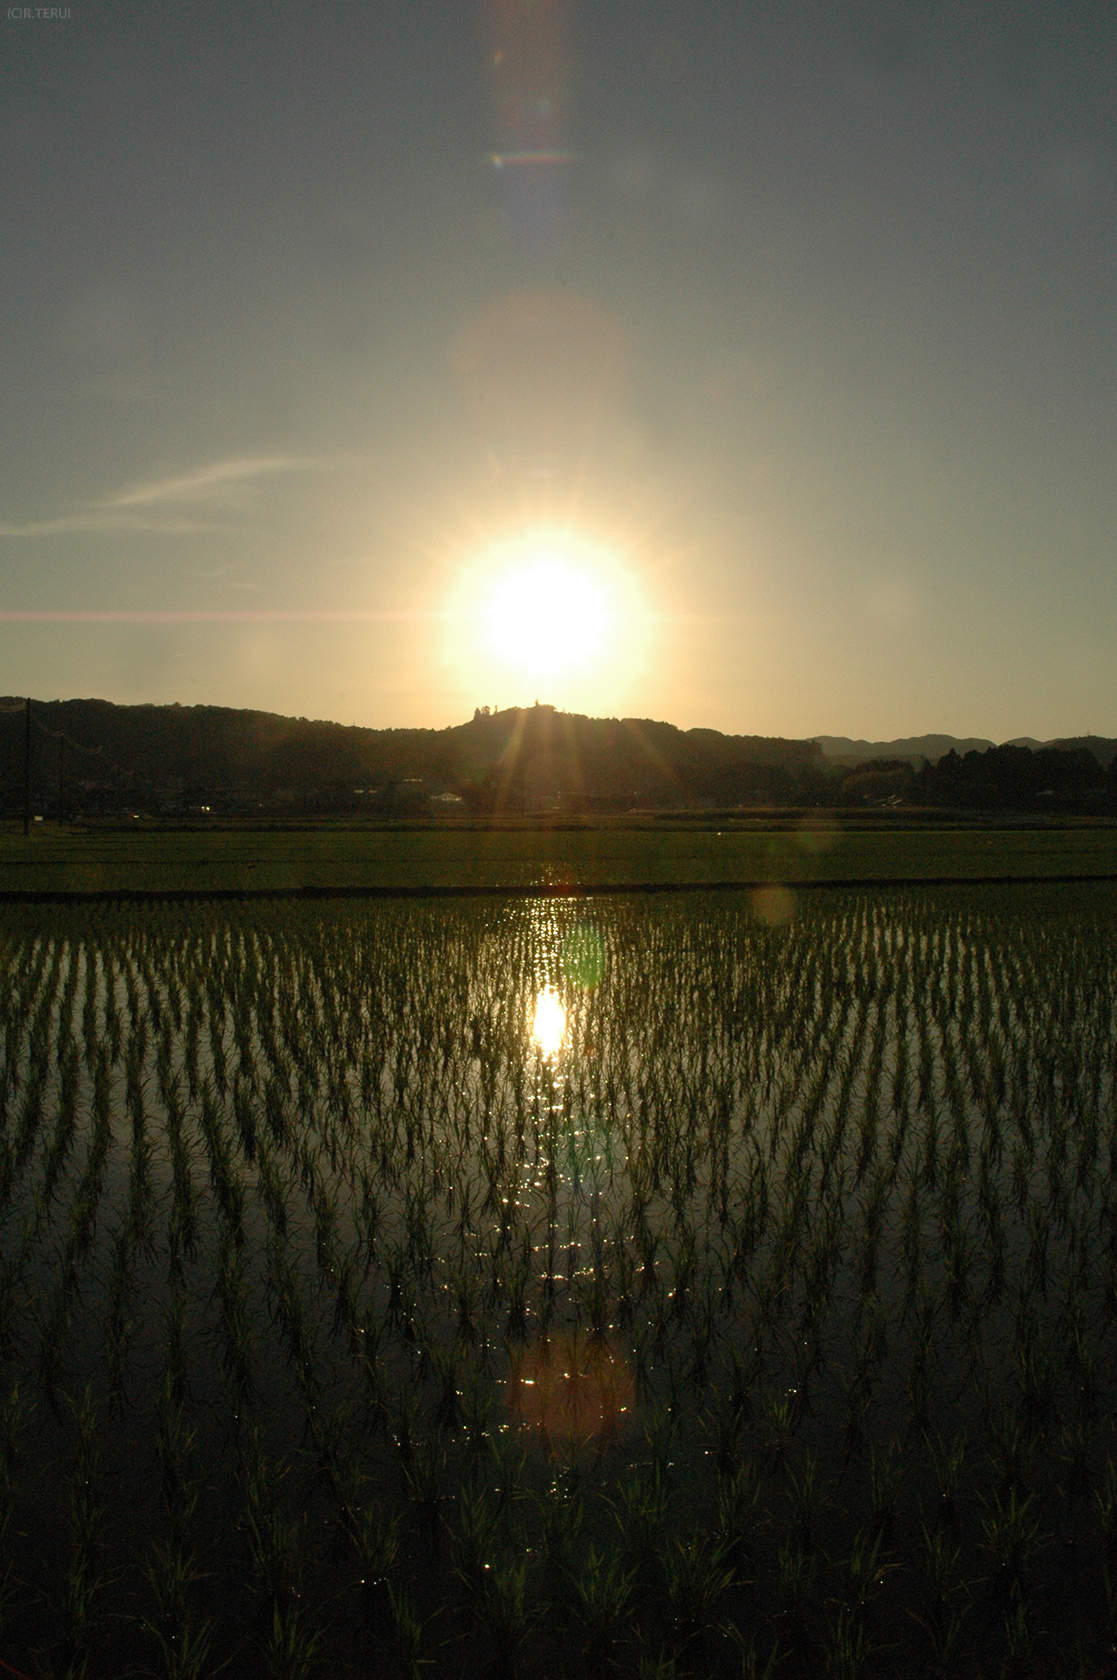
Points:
[695,1286]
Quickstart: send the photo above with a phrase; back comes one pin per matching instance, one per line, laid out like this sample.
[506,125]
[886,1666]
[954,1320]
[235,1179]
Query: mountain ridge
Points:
[930,748]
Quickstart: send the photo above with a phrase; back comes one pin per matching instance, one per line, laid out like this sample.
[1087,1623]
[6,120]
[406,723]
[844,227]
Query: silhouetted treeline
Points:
[1017,778]
[1008,778]
[91,757]
[181,759]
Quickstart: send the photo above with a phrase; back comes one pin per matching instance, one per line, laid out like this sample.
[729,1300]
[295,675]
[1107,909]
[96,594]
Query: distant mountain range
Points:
[918,749]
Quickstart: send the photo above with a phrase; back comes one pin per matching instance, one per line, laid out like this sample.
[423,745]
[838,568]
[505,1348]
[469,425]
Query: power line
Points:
[64,740]
[27,773]
[61,735]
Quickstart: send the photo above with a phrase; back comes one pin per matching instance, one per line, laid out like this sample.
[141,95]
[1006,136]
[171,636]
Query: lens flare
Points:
[529,64]
[572,1390]
[583,957]
[774,906]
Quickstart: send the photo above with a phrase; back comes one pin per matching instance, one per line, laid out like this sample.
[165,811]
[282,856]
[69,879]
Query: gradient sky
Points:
[801,316]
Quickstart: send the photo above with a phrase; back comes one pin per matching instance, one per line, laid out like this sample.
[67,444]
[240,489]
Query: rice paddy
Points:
[603,852]
[700,1286]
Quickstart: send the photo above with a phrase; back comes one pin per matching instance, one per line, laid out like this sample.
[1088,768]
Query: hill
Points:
[920,749]
[92,757]
[916,749]
[189,758]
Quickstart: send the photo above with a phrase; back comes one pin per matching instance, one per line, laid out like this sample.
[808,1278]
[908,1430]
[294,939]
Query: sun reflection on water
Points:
[548,1027]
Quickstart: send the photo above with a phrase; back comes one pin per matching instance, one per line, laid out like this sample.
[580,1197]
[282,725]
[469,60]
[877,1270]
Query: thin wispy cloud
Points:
[293,615]
[177,505]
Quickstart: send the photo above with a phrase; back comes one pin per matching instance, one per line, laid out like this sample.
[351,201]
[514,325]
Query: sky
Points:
[748,366]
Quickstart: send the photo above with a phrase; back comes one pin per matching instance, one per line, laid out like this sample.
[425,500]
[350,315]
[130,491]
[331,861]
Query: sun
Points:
[548,609]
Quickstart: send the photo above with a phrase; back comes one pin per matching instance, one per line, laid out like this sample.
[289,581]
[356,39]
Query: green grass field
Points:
[371,859]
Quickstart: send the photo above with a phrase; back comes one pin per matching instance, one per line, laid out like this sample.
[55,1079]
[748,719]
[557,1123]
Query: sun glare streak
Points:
[548,1026]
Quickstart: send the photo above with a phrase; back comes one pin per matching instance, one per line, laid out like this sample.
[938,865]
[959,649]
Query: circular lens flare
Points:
[572,1389]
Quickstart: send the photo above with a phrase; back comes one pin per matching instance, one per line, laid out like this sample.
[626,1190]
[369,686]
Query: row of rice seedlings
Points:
[28,969]
[183,1638]
[14,1417]
[16,1153]
[82,1590]
[288,1634]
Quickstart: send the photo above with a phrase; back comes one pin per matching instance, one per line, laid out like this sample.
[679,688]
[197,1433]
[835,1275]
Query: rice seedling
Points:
[65,1130]
[183,1639]
[562,1513]
[477,1531]
[860,1577]
[659,1667]
[641,1509]
[231,1292]
[224,1178]
[289,1636]
[802,1498]
[290,1313]
[798,1576]
[697,1575]
[737,1501]
[14,1417]
[120,1327]
[424,1474]
[750,1663]
[409,1637]
[504,1615]
[947,1602]
[885,1477]
[375,1542]
[84,1584]
[1012,1537]
[601,1600]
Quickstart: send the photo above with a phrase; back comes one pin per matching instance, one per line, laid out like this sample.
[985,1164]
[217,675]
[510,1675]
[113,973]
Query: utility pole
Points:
[61,764]
[27,772]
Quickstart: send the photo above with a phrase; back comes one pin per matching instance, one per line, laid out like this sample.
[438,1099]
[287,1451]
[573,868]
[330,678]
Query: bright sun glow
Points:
[550,613]
[547,612]
[548,1027]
